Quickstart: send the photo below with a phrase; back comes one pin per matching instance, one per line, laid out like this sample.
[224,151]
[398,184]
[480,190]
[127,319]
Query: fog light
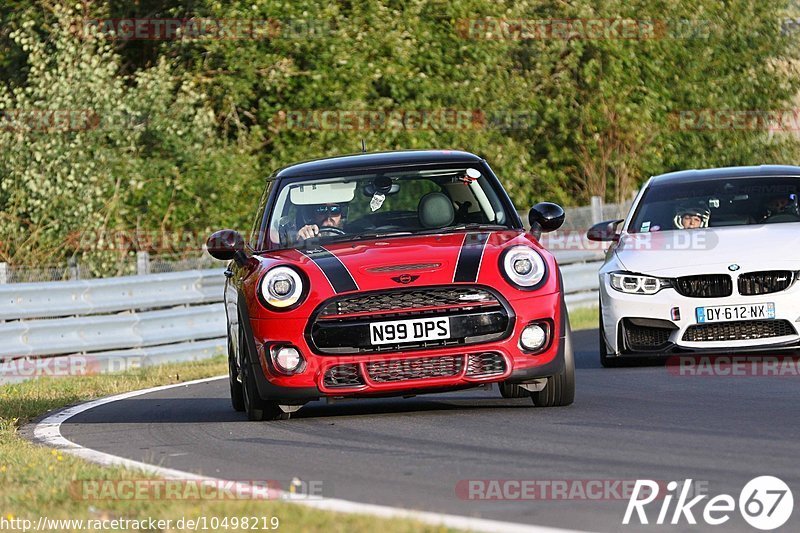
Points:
[287,359]
[533,337]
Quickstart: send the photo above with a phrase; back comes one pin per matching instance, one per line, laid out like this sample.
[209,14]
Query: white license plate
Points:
[413,330]
[725,313]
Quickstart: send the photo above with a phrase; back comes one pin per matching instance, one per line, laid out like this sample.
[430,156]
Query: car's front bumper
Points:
[622,313]
[517,364]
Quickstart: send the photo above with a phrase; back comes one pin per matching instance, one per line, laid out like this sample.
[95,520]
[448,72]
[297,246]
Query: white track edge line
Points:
[48,432]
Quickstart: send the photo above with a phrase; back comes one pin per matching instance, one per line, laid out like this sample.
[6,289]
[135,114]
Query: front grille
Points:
[767,282]
[343,325]
[705,286]
[646,337]
[408,300]
[343,376]
[739,331]
[485,364]
[421,368]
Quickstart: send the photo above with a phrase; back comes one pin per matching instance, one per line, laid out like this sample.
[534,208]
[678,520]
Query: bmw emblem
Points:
[734,267]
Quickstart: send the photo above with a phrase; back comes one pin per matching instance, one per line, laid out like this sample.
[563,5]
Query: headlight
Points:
[523,266]
[281,287]
[637,284]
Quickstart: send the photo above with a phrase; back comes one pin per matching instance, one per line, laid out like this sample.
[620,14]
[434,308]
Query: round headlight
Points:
[523,266]
[282,287]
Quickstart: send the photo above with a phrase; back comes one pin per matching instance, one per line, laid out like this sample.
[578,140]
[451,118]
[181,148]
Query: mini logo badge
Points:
[404,278]
[733,268]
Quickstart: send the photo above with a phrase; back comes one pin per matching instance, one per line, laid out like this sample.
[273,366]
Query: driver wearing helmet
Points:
[692,217]
[320,216]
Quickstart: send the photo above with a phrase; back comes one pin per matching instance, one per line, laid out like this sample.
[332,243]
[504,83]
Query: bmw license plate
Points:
[413,330]
[725,313]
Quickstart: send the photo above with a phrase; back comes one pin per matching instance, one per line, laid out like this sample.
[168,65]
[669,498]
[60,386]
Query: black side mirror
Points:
[227,244]
[604,231]
[545,217]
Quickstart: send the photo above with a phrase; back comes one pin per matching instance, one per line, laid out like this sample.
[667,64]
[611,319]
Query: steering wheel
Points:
[330,230]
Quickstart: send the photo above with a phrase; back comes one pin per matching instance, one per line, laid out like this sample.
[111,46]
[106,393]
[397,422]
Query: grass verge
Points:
[584,318]
[38,481]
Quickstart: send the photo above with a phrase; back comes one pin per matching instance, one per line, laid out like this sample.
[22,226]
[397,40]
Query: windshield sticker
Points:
[377,201]
[645,227]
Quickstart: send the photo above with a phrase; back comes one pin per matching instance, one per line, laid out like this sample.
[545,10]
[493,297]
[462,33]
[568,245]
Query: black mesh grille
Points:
[343,376]
[421,368]
[646,337]
[485,364]
[754,283]
[737,331]
[400,300]
[705,286]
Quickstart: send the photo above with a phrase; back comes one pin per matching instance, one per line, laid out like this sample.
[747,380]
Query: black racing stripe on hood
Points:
[333,269]
[470,256]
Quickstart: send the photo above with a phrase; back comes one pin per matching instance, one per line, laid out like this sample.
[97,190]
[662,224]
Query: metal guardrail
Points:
[108,324]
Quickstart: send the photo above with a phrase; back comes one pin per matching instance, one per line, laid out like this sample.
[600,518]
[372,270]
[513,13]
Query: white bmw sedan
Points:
[706,262]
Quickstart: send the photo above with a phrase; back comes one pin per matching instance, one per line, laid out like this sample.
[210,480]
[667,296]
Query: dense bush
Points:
[189,128]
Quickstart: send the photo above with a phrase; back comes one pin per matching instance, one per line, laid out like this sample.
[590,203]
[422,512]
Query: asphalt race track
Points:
[626,423]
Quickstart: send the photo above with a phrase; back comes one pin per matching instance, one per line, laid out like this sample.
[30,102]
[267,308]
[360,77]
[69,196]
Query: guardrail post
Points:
[3,273]
[142,263]
[72,265]
[597,209]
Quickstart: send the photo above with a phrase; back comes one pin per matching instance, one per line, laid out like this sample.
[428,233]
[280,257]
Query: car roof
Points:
[688,176]
[374,160]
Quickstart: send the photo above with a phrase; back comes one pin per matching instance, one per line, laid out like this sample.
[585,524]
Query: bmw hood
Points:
[742,248]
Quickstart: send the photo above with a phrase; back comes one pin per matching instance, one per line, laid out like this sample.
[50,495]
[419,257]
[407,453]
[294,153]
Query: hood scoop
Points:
[387,269]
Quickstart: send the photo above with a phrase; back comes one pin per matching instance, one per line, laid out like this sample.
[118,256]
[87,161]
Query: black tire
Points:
[257,408]
[512,390]
[560,389]
[237,396]
[606,360]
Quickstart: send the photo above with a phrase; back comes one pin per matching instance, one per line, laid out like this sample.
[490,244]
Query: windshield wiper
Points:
[373,235]
[469,226]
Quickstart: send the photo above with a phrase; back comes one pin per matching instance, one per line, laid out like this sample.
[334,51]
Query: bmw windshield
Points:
[384,203]
[715,203]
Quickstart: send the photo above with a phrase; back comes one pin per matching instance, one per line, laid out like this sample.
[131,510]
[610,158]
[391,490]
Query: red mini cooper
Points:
[392,274]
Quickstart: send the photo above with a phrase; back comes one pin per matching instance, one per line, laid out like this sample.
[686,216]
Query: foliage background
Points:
[189,128]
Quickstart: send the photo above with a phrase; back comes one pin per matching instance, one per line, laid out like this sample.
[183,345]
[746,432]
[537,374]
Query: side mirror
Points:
[545,217]
[226,244]
[604,231]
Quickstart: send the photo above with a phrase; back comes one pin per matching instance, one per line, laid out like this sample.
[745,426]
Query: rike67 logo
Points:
[765,502]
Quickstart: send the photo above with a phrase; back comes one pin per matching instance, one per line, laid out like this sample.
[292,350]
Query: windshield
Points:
[717,203]
[382,203]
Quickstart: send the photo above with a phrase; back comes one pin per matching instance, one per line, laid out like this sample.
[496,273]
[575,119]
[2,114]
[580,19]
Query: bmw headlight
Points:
[636,283]
[281,287]
[523,266]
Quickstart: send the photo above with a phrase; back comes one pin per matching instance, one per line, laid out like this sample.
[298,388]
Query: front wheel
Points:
[560,389]
[237,394]
[257,408]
